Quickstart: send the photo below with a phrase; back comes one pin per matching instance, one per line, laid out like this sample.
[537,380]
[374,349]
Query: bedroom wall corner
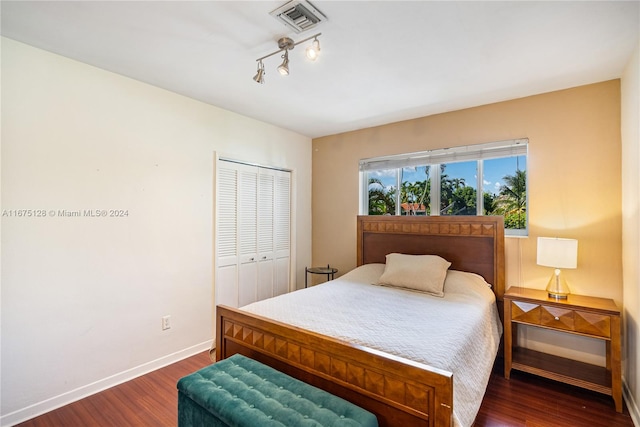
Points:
[83,294]
[630,129]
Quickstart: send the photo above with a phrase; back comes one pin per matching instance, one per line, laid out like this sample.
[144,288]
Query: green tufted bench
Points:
[239,392]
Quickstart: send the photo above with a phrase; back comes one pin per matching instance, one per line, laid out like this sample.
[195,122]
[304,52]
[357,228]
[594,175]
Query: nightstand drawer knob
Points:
[557,318]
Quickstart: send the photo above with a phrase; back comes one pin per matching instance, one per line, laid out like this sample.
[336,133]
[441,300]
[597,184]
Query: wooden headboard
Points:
[471,243]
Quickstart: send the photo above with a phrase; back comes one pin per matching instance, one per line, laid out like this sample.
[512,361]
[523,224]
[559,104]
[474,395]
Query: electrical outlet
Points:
[166,322]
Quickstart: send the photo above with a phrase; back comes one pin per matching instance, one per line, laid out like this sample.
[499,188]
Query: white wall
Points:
[82,297]
[630,127]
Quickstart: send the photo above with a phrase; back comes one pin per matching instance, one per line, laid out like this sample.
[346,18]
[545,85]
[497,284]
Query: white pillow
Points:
[367,273]
[424,273]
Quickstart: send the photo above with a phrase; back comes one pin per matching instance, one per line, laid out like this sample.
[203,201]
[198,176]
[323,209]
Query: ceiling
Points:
[381,61]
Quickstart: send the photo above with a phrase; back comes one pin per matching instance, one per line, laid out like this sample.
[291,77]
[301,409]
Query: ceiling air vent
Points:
[299,15]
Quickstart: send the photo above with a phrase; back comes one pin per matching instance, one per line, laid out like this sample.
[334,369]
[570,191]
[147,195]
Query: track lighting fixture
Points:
[286,44]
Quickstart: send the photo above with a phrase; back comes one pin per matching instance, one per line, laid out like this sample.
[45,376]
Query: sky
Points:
[494,171]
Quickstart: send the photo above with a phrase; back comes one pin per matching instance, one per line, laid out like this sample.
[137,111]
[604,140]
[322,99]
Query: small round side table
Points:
[329,271]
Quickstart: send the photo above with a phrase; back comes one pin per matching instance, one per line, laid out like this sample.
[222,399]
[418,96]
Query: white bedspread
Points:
[459,332]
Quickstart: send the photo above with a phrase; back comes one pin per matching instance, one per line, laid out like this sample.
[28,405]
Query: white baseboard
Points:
[631,404]
[56,402]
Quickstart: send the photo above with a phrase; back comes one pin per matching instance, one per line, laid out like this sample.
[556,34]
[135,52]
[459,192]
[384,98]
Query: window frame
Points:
[433,159]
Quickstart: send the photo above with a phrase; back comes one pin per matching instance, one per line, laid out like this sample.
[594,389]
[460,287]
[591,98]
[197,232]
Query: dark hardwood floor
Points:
[522,401]
[149,400]
[529,401]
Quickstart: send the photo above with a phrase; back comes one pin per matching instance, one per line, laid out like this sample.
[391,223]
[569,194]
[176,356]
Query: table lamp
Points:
[557,253]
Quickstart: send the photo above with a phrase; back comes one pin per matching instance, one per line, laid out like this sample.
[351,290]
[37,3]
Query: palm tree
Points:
[488,203]
[446,193]
[406,196]
[512,200]
[382,200]
[457,183]
[414,193]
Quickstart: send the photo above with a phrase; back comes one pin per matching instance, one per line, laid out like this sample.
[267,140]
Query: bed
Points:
[378,374]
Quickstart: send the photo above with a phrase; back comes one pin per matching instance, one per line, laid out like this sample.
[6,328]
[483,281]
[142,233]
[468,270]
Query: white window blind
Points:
[491,150]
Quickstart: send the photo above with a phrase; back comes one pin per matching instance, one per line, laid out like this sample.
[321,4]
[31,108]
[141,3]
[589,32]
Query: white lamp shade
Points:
[557,253]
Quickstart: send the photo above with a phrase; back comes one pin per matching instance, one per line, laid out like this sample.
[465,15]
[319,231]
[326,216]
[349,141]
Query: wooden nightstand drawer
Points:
[557,318]
[592,324]
[525,312]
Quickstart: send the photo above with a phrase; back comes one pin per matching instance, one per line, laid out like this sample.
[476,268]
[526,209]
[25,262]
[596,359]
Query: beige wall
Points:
[631,230]
[574,187]
[82,297]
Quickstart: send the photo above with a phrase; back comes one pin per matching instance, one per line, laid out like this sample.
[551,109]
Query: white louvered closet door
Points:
[247,234]
[226,279]
[265,233]
[282,231]
[253,217]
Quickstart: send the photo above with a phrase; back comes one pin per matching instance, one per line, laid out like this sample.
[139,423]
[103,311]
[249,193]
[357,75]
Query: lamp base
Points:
[557,296]
[558,288]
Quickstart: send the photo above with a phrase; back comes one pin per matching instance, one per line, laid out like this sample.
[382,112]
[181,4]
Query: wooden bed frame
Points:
[399,391]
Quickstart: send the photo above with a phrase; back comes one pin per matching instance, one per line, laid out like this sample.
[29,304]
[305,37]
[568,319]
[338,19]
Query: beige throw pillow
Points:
[424,273]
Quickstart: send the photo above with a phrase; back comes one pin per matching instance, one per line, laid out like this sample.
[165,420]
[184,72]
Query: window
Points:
[484,179]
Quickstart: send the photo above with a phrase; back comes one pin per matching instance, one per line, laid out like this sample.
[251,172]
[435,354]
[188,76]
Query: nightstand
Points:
[597,318]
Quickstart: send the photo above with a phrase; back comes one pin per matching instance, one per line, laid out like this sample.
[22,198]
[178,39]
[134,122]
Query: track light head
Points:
[283,69]
[259,77]
[313,50]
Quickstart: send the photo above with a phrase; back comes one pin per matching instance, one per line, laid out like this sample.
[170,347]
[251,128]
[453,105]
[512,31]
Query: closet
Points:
[253,224]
